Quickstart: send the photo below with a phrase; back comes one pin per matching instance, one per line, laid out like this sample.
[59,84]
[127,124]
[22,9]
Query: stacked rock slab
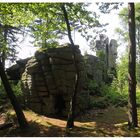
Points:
[49,79]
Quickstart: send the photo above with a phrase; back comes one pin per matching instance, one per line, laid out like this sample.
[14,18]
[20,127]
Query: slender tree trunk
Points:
[20,116]
[3,32]
[133,122]
[71,115]
[3,56]
[138,42]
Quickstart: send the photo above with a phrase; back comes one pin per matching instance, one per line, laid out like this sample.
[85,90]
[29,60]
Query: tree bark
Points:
[71,115]
[3,55]
[132,106]
[20,116]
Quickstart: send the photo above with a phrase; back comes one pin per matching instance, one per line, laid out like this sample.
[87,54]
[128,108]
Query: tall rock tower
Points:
[107,51]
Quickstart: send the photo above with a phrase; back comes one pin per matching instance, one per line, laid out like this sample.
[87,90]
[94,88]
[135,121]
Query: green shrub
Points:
[117,92]
[98,103]
[17,88]
[93,88]
[138,97]
[109,95]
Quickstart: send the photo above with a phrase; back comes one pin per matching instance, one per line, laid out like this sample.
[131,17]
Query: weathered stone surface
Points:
[94,68]
[49,78]
[113,53]
[109,49]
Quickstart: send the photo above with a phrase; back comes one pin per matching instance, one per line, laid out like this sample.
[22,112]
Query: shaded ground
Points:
[100,123]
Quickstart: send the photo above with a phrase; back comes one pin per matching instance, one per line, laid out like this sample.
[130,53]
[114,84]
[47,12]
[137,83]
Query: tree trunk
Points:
[3,55]
[71,115]
[20,116]
[132,112]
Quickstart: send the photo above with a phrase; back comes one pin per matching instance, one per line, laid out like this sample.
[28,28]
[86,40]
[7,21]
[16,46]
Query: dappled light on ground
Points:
[109,122]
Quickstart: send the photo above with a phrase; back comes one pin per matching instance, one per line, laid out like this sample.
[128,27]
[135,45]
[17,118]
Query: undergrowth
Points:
[104,95]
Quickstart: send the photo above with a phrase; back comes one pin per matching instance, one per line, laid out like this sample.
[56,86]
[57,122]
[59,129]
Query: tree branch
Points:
[68,24]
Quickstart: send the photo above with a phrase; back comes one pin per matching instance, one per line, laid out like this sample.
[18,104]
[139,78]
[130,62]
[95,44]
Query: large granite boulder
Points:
[49,79]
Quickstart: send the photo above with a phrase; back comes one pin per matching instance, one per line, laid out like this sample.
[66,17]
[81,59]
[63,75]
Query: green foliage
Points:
[18,92]
[93,87]
[49,24]
[138,73]
[17,88]
[108,96]
[138,97]
[83,102]
[50,45]
[13,21]
[100,54]
[98,102]
[115,93]
[122,74]
[122,31]
[15,14]
[117,98]
[45,22]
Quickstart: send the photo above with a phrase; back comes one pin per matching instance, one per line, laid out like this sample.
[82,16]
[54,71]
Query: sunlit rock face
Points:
[109,50]
[49,79]
[112,53]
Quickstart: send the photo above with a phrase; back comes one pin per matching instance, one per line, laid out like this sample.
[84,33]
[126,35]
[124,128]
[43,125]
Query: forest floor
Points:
[111,122]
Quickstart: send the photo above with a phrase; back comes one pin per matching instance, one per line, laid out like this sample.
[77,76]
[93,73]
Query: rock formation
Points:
[48,81]
[48,78]
[94,68]
[109,49]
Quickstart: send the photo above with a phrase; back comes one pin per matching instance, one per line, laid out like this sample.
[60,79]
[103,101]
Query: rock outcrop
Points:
[108,51]
[49,78]
[94,68]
